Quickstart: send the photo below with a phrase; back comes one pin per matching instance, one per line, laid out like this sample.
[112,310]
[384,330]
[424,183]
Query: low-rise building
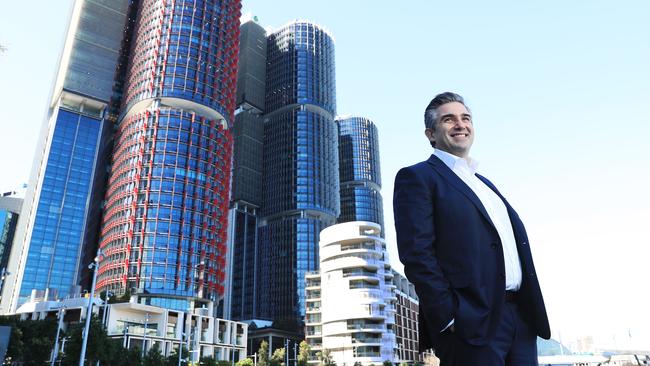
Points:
[350,304]
[139,324]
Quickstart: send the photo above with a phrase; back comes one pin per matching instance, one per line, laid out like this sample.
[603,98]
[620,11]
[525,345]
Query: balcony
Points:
[366,340]
[359,246]
[365,326]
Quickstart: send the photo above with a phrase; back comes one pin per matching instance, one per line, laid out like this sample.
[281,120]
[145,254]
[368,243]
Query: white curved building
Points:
[350,305]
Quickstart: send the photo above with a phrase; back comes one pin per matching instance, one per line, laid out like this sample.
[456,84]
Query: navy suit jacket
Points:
[452,253]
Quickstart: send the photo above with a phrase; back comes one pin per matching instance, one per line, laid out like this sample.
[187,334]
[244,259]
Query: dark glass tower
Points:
[301,179]
[57,226]
[247,174]
[9,212]
[359,171]
[165,220]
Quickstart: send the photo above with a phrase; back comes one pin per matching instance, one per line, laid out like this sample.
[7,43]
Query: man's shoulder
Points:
[423,171]
[423,166]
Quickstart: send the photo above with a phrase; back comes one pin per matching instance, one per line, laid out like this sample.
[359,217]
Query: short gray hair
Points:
[431,112]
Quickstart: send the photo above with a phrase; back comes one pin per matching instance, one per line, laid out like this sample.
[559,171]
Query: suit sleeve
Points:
[413,208]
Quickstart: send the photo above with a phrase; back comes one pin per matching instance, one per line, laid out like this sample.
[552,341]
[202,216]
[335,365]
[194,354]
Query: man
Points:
[466,251]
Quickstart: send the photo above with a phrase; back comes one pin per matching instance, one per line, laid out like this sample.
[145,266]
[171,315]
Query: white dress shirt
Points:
[465,169]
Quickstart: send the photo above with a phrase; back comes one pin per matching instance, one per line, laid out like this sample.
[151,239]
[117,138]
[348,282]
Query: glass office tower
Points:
[9,212]
[359,171]
[164,228]
[301,181]
[56,230]
[247,174]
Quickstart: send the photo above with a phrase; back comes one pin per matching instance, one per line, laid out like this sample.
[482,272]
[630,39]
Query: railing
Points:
[359,273]
[364,245]
[364,326]
[136,330]
[355,286]
[366,340]
[367,354]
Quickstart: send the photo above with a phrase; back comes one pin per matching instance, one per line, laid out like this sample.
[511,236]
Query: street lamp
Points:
[94,265]
[144,337]
[105,315]
[180,348]
[55,353]
[3,275]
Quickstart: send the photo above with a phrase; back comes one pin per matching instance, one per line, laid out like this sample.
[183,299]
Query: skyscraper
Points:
[300,160]
[62,204]
[9,212]
[246,200]
[165,220]
[359,171]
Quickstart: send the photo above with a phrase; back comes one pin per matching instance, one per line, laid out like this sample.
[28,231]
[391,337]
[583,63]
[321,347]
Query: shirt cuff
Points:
[448,325]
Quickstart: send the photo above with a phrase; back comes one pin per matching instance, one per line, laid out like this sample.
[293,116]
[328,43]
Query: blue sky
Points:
[559,92]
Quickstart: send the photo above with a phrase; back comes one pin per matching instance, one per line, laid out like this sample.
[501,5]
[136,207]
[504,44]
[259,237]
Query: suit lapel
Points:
[458,183]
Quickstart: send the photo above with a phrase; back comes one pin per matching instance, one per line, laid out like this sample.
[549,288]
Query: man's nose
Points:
[460,124]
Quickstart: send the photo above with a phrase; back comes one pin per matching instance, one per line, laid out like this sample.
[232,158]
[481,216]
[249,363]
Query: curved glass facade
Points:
[301,182]
[359,171]
[164,229]
[186,49]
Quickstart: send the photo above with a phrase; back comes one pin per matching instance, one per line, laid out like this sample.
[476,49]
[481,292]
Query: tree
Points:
[325,358]
[31,340]
[304,353]
[278,357]
[153,357]
[357,363]
[245,362]
[263,354]
[387,363]
[172,359]
[97,348]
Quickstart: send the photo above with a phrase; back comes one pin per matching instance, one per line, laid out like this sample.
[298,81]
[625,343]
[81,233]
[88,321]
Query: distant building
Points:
[359,171]
[351,302]
[300,186]
[407,308]
[164,227]
[10,207]
[137,324]
[59,223]
[241,302]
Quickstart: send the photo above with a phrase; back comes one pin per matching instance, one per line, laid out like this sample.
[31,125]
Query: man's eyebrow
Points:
[452,115]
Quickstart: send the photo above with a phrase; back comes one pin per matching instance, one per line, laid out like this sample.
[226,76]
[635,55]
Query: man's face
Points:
[454,132]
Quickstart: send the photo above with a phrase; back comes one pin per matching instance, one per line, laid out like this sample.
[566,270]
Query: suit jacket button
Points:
[531,274]
[524,243]
[493,245]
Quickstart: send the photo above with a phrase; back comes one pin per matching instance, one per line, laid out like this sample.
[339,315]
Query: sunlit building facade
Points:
[9,212]
[359,171]
[164,228]
[57,230]
[353,267]
[300,186]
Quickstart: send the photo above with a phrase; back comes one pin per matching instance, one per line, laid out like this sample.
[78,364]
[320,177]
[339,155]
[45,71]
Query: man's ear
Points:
[429,133]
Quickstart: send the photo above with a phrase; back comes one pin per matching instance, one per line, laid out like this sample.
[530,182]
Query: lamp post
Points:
[144,335]
[180,349]
[3,275]
[89,309]
[105,315]
[55,353]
